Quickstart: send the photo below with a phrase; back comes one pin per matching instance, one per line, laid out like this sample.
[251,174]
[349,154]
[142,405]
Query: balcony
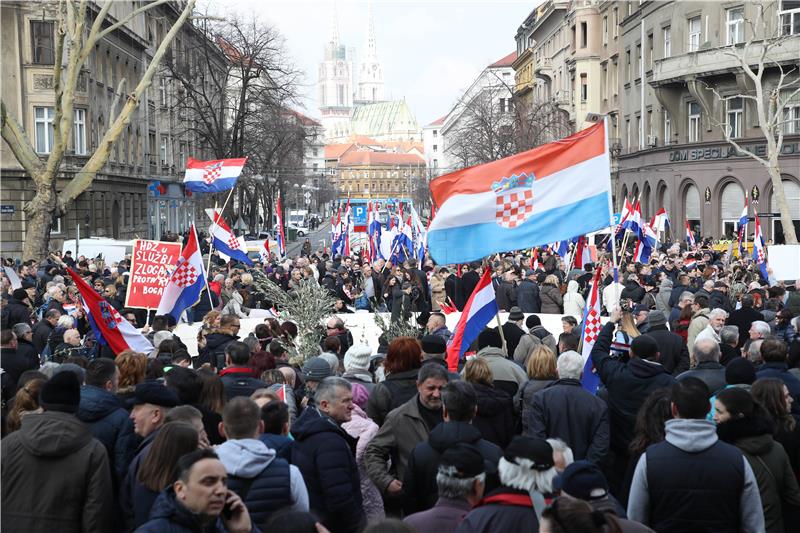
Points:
[718,61]
[543,69]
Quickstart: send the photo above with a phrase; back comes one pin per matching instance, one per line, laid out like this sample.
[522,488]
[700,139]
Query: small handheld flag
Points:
[187,281]
[477,313]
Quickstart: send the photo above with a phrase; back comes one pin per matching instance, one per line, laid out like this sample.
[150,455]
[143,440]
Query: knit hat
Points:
[20,294]
[536,451]
[461,461]
[489,337]
[360,394]
[740,371]
[316,369]
[515,313]
[639,308]
[62,393]
[433,344]
[532,321]
[656,318]
[357,357]
[583,480]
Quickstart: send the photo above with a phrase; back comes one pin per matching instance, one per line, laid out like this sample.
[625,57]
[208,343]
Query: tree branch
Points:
[20,144]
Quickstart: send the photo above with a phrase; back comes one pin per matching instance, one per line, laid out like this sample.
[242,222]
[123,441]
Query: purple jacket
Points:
[443,517]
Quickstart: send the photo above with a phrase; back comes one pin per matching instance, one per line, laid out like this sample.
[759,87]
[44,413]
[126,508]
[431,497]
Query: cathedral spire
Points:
[371,52]
[334,40]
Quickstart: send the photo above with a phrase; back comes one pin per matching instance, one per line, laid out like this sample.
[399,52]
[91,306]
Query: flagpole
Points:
[205,274]
[611,216]
[746,222]
[213,225]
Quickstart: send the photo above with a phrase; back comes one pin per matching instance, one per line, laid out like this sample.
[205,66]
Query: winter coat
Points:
[41,332]
[495,416]
[403,429]
[565,410]
[110,423]
[235,306]
[675,295]
[743,318]
[770,464]
[16,312]
[632,291]
[698,324]
[282,445]
[390,394]
[628,385]
[709,372]
[537,335]
[573,300]
[55,477]
[443,517]
[168,515]
[674,354]
[362,428]
[662,298]
[528,299]
[780,371]
[552,302]
[512,333]
[503,509]
[274,483]
[524,401]
[239,381]
[437,292]
[466,284]
[419,481]
[324,453]
[507,375]
[719,299]
[506,295]
[214,351]
[17,360]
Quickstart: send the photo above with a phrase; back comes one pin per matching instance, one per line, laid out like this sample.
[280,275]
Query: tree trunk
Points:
[779,193]
[39,214]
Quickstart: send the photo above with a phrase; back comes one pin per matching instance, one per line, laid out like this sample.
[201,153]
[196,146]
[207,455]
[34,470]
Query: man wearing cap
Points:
[674,353]
[565,410]
[526,472]
[460,480]
[434,351]
[719,297]
[55,476]
[639,314]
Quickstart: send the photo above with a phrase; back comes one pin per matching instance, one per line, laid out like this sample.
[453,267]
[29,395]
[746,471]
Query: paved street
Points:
[316,237]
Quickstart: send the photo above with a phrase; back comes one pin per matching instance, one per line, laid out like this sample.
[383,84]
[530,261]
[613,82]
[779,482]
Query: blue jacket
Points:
[109,423]
[325,455]
[170,516]
[282,445]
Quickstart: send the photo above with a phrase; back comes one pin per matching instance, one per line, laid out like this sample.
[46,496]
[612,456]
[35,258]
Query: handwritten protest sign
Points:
[149,265]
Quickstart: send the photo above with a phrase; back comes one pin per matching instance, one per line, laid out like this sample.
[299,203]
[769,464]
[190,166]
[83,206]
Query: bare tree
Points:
[537,123]
[770,80]
[73,46]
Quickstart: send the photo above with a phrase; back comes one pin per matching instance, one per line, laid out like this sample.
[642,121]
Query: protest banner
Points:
[150,262]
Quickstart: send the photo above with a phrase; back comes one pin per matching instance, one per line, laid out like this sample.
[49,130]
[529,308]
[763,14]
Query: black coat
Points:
[203,306]
[214,351]
[675,295]
[506,295]
[495,416]
[419,480]
[41,332]
[719,299]
[628,385]
[709,372]
[170,516]
[513,333]
[109,422]
[15,363]
[729,353]
[467,283]
[504,509]
[29,352]
[743,318]
[451,288]
[239,381]
[325,455]
[528,296]
[15,312]
[674,354]
[632,291]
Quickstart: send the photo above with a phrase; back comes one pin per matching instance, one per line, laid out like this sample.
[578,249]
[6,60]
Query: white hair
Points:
[570,365]
[53,289]
[761,327]
[559,446]
[717,312]
[754,351]
[65,321]
[522,476]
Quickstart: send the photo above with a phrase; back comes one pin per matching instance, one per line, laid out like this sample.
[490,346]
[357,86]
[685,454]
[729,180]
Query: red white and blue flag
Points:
[279,235]
[759,250]
[212,176]
[547,194]
[634,221]
[742,229]
[187,281]
[591,328]
[477,313]
[648,242]
[225,240]
[690,242]
[108,325]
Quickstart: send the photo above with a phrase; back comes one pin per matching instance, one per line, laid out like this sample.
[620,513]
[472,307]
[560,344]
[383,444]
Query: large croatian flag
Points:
[108,325]
[759,250]
[187,281]
[648,241]
[591,328]
[478,312]
[547,194]
[226,241]
[212,176]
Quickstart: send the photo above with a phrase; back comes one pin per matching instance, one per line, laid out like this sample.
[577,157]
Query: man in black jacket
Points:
[43,329]
[25,348]
[460,406]
[674,354]
[469,280]
[743,318]
[17,310]
[528,294]
[237,377]
[708,370]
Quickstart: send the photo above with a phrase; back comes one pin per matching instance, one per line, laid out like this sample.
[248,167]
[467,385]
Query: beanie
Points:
[740,371]
[357,357]
[62,393]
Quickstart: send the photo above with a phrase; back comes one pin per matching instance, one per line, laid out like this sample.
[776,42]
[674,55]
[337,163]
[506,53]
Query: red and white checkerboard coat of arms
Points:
[185,275]
[514,204]
[212,172]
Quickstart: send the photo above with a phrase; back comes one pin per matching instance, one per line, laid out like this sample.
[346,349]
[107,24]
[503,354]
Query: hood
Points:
[752,435]
[408,375]
[491,401]
[491,351]
[691,435]
[666,284]
[641,368]
[245,457]
[219,337]
[53,434]
[312,422]
[448,434]
[572,286]
[97,403]
[167,507]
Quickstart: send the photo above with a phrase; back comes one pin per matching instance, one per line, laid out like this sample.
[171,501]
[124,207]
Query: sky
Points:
[430,50]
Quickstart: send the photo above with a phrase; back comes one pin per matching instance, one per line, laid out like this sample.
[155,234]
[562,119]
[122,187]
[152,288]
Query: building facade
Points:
[139,191]
[432,142]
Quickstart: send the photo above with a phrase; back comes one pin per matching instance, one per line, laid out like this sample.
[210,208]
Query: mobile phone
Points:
[227,511]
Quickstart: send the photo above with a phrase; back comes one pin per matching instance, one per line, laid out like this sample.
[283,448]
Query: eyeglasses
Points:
[236,325]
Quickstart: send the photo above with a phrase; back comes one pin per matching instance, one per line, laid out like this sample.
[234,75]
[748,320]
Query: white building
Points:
[335,85]
[432,139]
[370,74]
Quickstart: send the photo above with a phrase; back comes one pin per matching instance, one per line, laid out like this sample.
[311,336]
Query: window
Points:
[790,17]
[584,35]
[164,150]
[694,34]
[639,132]
[791,119]
[667,129]
[435,148]
[503,106]
[734,117]
[694,122]
[638,61]
[650,51]
[79,132]
[162,91]
[43,117]
[605,30]
[435,163]
[667,42]
[435,133]
[604,82]
[614,22]
[584,88]
[735,25]
[627,65]
[628,133]
[182,154]
[574,40]
[42,42]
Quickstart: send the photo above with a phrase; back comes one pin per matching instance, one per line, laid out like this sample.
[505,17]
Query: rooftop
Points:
[355,158]
[504,62]
[383,118]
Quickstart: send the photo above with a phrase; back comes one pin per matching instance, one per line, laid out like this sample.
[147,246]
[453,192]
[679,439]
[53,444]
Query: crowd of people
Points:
[694,427]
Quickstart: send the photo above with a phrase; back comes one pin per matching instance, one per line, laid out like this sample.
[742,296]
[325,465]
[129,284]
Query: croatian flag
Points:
[346,229]
[264,252]
[108,325]
[591,328]
[477,313]
[224,240]
[634,222]
[279,235]
[562,249]
[582,253]
[212,176]
[661,220]
[742,228]
[187,281]
[759,252]
[547,194]
[647,243]
[374,229]
[690,242]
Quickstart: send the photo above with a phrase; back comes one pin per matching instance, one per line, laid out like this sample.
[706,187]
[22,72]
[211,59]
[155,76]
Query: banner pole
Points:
[611,217]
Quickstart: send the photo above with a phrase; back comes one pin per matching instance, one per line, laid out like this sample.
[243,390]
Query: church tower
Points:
[335,85]
[370,76]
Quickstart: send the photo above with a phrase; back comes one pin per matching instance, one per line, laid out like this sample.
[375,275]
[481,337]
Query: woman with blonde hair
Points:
[626,332]
[550,295]
[541,369]
[495,415]
[132,367]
